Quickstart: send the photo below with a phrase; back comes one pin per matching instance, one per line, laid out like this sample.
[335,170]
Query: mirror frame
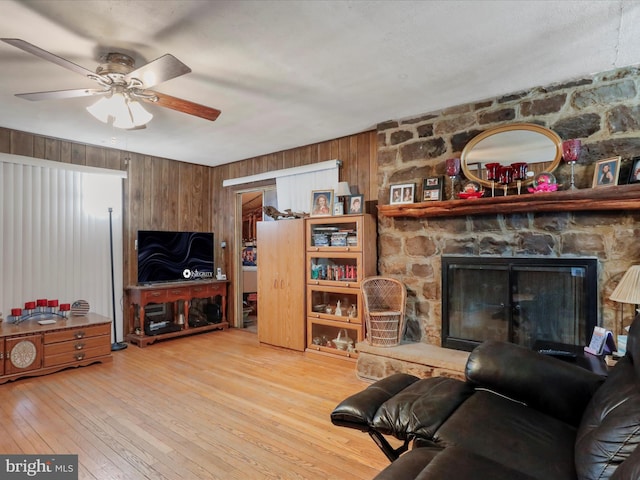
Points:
[532,127]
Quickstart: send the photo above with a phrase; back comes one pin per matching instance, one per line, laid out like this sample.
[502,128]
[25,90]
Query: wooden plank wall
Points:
[357,152]
[167,194]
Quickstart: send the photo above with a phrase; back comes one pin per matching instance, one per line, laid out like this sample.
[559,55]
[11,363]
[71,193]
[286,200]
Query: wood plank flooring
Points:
[212,406]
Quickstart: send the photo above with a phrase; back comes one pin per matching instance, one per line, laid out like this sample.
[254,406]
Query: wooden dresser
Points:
[29,349]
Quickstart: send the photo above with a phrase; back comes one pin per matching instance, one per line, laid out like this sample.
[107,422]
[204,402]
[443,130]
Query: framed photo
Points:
[606,172]
[402,193]
[321,203]
[250,256]
[432,189]
[356,204]
[634,175]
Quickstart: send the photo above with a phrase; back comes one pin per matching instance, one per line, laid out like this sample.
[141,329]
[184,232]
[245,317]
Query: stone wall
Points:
[603,110]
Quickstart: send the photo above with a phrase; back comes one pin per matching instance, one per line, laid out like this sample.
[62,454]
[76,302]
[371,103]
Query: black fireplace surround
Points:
[523,300]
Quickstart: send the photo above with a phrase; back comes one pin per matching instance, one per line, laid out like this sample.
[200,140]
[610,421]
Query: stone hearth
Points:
[416,358]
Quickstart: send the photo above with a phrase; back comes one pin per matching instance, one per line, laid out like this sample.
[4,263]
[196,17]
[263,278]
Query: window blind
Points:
[54,235]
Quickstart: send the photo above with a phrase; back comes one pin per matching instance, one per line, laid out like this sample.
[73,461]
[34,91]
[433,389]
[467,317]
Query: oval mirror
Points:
[537,146]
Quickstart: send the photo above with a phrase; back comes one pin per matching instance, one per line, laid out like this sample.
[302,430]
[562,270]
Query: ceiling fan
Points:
[118,78]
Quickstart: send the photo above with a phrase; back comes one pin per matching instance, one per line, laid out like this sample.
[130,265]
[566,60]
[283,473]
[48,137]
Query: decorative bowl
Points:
[319,308]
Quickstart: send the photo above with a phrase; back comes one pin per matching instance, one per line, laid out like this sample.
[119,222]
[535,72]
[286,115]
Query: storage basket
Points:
[384,310]
[343,342]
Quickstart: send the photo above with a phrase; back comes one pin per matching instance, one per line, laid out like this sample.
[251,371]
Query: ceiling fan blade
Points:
[37,51]
[158,71]
[183,106]
[60,94]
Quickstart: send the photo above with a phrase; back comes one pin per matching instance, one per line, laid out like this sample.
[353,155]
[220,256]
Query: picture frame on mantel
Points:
[634,174]
[606,172]
[433,189]
[402,193]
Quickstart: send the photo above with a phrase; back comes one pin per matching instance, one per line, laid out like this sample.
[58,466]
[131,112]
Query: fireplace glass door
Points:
[527,301]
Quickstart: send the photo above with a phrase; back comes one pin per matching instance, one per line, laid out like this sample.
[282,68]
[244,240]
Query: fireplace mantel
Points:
[621,197]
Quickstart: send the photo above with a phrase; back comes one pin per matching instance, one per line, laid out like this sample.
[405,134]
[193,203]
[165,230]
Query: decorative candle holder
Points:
[52,306]
[505,174]
[42,309]
[570,152]
[519,173]
[492,175]
[452,166]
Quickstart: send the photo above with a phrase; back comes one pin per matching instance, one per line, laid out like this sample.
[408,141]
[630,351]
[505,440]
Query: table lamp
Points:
[627,291]
[342,191]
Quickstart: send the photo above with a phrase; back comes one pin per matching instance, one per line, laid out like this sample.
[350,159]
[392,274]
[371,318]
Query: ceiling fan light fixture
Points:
[121,110]
[138,114]
[100,110]
[119,75]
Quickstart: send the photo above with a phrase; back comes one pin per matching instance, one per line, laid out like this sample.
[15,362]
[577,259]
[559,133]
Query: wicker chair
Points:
[384,310]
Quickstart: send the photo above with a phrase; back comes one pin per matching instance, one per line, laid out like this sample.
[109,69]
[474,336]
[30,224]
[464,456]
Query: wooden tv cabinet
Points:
[30,349]
[139,296]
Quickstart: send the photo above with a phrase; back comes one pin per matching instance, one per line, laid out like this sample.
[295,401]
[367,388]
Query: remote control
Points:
[556,353]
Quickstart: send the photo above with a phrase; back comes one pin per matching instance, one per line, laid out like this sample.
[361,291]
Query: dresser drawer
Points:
[77,333]
[72,355]
[203,291]
[153,296]
[173,294]
[77,345]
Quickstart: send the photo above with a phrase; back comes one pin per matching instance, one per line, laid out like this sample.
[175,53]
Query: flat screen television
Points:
[174,256]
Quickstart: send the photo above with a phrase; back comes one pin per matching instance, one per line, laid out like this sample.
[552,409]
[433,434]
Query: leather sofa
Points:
[518,415]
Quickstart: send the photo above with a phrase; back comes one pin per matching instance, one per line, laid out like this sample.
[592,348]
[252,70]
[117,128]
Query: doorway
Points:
[249,205]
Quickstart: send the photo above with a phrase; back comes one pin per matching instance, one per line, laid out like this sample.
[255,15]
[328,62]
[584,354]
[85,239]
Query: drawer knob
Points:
[79,346]
[80,356]
[80,334]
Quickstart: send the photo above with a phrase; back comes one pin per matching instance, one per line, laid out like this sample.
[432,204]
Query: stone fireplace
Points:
[602,110]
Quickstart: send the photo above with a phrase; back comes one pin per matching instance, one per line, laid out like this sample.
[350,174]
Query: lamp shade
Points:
[100,110]
[628,290]
[139,115]
[343,189]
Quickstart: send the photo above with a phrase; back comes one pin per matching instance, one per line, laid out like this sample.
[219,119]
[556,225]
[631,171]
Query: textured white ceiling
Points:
[290,73]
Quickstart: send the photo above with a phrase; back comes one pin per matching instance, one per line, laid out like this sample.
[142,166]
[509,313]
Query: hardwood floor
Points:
[212,406]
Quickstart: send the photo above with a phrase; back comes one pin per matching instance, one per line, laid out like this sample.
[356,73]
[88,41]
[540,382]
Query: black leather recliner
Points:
[518,415]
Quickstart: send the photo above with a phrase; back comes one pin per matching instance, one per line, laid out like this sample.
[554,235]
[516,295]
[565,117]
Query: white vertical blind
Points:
[54,234]
[294,191]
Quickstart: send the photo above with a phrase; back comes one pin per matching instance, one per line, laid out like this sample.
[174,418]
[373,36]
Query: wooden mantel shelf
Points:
[622,197]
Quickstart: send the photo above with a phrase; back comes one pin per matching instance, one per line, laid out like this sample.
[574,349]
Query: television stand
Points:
[139,296]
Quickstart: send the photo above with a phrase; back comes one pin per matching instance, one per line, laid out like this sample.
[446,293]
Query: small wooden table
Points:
[30,349]
[139,296]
